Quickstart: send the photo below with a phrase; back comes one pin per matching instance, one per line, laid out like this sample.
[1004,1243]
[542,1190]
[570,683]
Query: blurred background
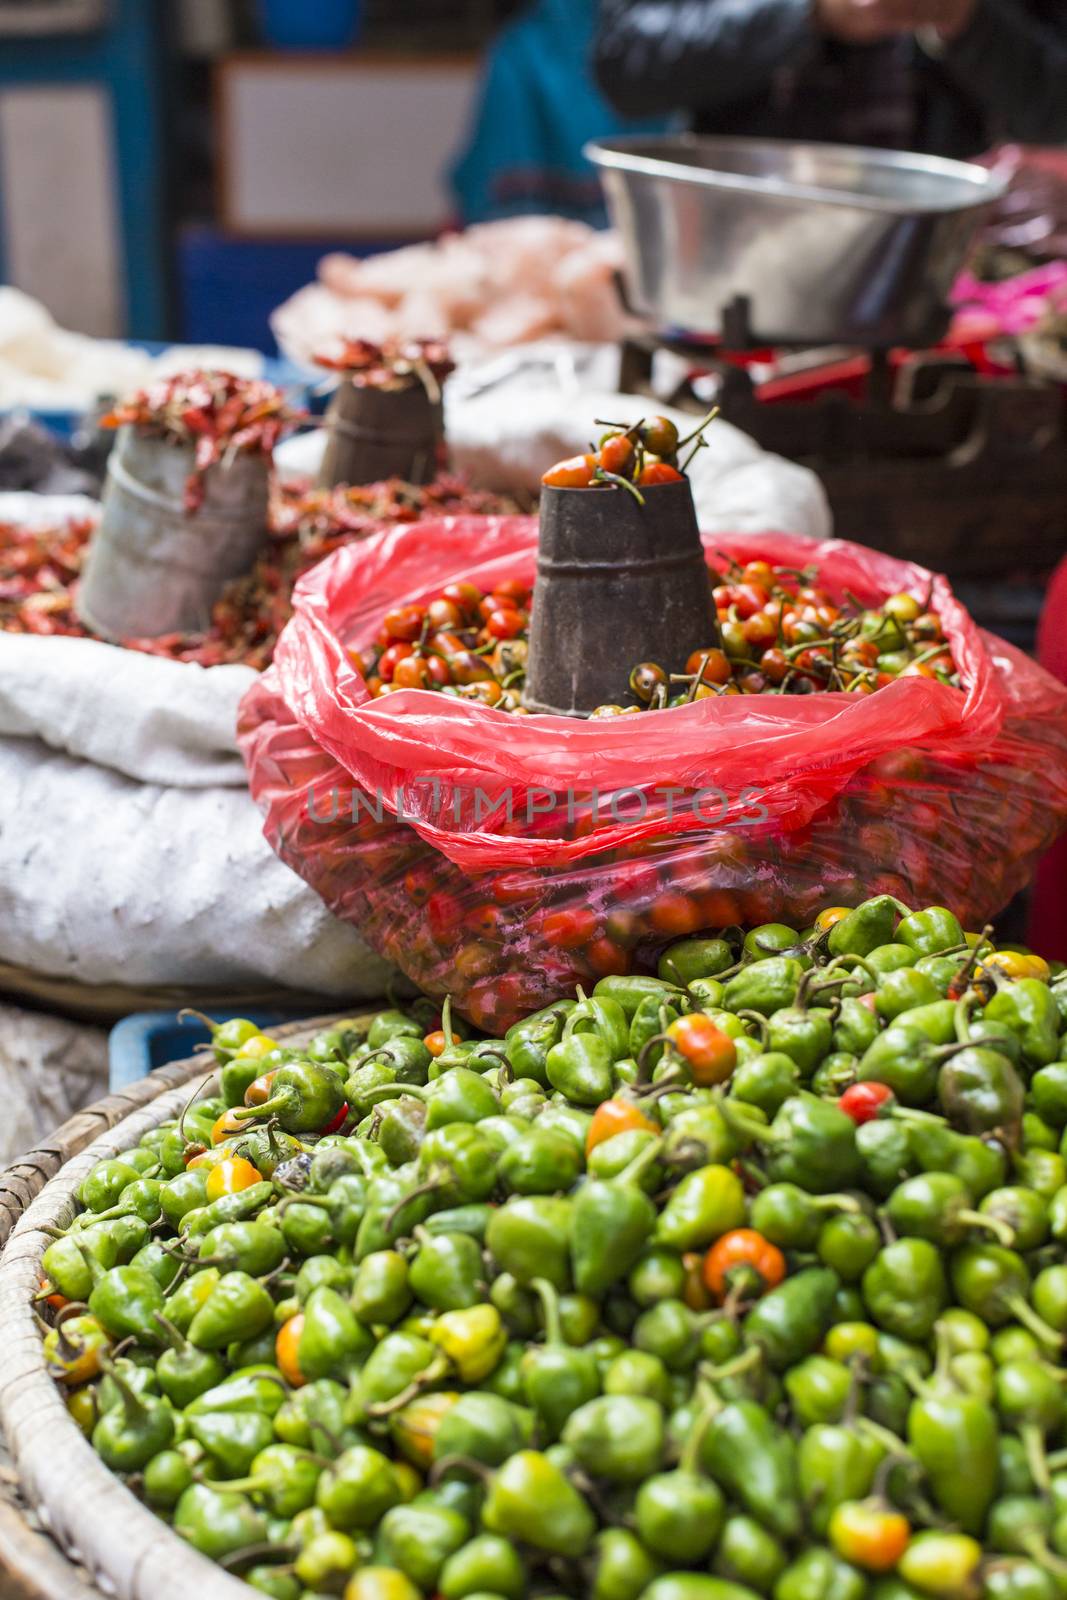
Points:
[200,156]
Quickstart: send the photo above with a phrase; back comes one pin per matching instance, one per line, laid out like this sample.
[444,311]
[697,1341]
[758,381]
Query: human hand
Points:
[869,21]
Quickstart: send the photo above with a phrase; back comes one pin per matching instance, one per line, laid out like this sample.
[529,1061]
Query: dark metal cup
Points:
[617,583]
[374,433]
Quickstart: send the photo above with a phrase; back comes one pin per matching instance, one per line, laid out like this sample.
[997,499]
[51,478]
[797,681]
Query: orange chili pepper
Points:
[231,1176]
[616,453]
[226,1126]
[829,917]
[615,1116]
[659,472]
[710,1053]
[259,1089]
[574,473]
[435,1041]
[50,1296]
[737,1251]
[869,1533]
[287,1350]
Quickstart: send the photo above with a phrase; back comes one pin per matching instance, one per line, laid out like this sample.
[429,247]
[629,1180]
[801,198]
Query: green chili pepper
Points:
[938,1148]
[764,986]
[305,1097]
[237,1308]
[930,931]
[333,1343]
[558,1378]
[754,1461]
[937,1206]
[810,1142]
[618,1437]
[530,1238]
[871,924]
[790,1321]
[125,1302]
[818,1574]
[446,1270]
[766,1081]
[357,1489]
[980,1092]
[138,1428]
[954,1437]
[749,1555]
[1029,1010]
[679,1515]
[216,1522]
[530,1500]
[580,1067]
[705,1204]
[790,1217]
[835,1463]
[904,1288]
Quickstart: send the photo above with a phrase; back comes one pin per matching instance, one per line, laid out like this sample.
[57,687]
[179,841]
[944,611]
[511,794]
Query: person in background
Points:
[949,77]
[537,107]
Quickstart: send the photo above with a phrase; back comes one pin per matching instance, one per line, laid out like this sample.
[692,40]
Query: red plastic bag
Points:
[502,859]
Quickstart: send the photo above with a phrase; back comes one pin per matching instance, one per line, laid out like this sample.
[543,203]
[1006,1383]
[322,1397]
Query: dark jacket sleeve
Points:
[1016,68]
[656,56]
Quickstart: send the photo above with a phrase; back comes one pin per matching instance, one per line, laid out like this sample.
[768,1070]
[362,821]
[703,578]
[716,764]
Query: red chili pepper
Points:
[863,1102]
[337,1122]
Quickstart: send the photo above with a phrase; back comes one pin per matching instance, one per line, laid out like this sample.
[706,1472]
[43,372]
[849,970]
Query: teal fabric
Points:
[536,109]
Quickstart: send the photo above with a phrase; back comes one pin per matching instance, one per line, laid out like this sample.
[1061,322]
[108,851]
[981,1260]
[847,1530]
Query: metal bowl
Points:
[798,243]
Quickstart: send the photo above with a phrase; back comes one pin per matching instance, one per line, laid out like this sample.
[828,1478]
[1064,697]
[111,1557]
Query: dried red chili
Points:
[219,414]
[390,365]
[39,566]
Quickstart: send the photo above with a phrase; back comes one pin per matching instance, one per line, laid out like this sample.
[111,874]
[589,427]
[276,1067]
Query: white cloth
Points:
[130,850]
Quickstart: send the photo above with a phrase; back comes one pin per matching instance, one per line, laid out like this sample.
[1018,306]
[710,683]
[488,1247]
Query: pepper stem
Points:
[191,1011]
[758,1132]
[266,1108]
[251,1552]
[174,1338]
[463,1463]
[431,1186]
[1034,1444]
[422,1380]
[962,1018]
[132,1404]
[1002,1231]
[642,1058]
[690,1457]
[643,1160]
[547,1294]
[762,1026]
[1024,1311]
[188,1105]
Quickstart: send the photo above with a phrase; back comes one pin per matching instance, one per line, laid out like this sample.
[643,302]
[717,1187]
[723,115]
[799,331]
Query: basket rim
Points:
[93,1523]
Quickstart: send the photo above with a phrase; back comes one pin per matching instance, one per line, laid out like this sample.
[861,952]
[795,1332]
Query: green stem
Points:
[1034,1444]
[640,1163]
[1002,1231]
[1025,1313]
[549,1298]
[689,1460]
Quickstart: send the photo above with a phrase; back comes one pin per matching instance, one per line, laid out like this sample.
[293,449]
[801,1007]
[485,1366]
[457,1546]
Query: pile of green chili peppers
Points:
[746,1279]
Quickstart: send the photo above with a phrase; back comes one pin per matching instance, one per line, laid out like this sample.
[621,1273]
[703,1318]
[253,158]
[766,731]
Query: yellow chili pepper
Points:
[473,1340]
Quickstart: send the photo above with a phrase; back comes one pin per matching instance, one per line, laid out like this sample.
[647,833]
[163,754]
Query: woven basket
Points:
[69,1530]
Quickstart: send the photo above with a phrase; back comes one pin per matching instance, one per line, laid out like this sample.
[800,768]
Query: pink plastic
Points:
[737,809]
